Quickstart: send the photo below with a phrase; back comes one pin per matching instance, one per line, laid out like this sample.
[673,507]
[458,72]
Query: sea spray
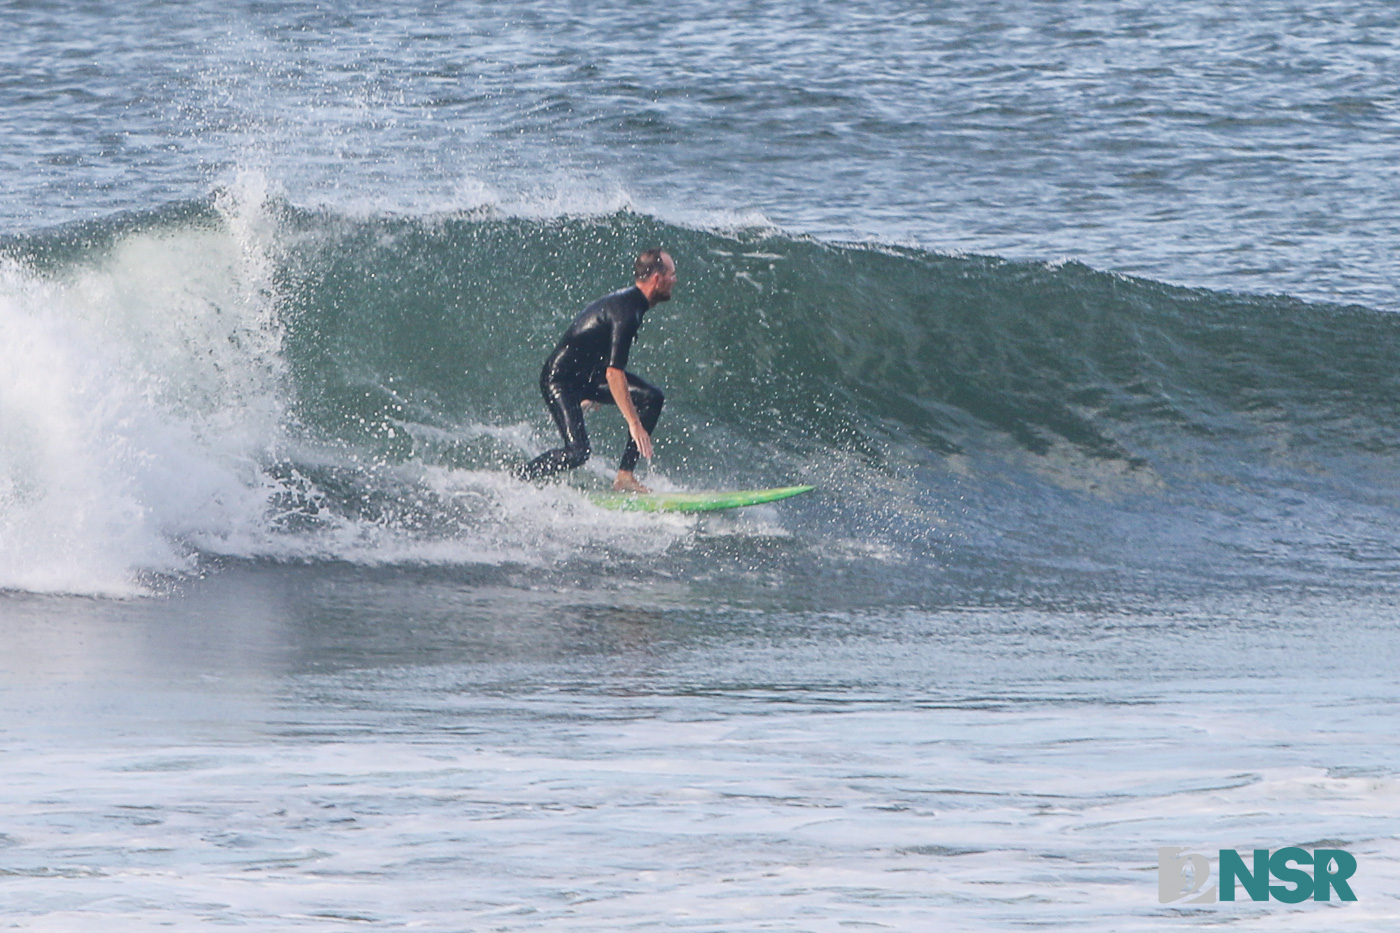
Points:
[143,391]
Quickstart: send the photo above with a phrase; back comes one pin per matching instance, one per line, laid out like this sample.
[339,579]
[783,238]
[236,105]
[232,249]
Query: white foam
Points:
[140,389]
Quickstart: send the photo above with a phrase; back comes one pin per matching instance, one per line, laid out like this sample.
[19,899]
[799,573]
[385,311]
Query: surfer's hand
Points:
[643,439]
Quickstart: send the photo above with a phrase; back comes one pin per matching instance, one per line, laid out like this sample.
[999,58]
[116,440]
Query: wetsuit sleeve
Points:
[623,333]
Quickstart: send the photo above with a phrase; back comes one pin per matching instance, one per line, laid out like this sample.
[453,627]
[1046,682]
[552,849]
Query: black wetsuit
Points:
[599,338]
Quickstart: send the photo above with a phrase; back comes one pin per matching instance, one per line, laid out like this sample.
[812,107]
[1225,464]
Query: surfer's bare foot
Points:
[588,405]
[627,482]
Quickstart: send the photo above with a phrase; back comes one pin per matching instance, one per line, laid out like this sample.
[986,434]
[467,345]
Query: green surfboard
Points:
[692,501]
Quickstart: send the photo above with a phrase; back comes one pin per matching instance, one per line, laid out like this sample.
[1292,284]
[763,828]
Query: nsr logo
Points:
[1180,875]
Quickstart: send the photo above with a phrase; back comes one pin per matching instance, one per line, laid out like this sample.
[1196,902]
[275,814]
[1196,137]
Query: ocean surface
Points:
[1083,318]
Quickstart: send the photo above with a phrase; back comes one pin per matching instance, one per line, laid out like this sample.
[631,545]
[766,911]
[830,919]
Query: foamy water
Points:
[143,389]
[562,763]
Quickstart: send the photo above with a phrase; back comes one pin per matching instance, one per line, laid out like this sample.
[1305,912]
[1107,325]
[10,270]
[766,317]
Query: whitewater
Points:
[1081,321]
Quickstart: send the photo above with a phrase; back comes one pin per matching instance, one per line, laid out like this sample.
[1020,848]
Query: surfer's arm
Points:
[617,384]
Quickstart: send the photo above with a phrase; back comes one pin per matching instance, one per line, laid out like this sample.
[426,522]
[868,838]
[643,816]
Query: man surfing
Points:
[589,367]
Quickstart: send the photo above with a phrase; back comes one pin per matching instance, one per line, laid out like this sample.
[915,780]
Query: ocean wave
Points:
[243,377]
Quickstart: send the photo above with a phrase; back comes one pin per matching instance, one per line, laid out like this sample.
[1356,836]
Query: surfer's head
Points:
[655,274]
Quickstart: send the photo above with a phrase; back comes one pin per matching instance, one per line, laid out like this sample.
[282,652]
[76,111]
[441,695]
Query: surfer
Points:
[589,368]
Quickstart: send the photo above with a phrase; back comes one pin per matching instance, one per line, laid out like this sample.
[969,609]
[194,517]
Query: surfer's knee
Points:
[649,398]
